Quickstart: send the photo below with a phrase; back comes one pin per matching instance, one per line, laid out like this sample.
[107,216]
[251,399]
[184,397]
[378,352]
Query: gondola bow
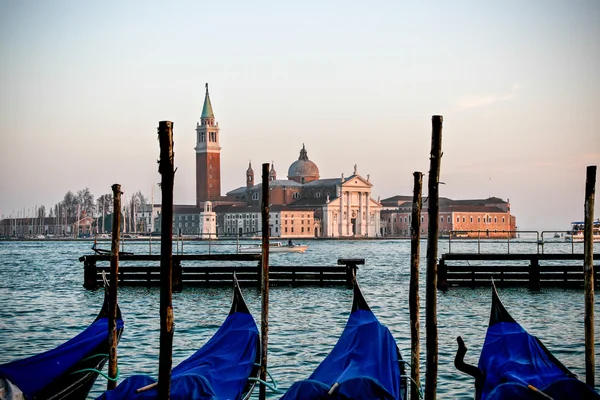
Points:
[365,363]
[516,365]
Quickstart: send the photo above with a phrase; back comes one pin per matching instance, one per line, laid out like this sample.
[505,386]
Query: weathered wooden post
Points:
[167,171]
[534,274]
[264,314]
[177,275]
[413,296]
[588,272]
[113,288]
[431,342]
[89,273]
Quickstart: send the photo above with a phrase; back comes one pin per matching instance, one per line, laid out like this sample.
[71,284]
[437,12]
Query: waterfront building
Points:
[284,222]
[485,218]
[342,207]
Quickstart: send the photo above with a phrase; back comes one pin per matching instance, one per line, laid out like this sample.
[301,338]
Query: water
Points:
[44,303]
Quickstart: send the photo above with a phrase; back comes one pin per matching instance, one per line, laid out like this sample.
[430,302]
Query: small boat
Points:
[365,363]
[274,247]
[66,372]
[226,367]
[577,230]
[105,252]
[516,365]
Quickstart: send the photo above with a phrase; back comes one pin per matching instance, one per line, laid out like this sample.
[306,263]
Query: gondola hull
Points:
[516,365]
[223,368]
[365,363]
[68,371]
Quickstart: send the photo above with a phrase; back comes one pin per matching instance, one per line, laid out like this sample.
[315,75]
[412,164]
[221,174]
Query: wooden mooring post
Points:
[435,159]
[113,288]
[264,314]
[413,295]
[167,172]
[588,272]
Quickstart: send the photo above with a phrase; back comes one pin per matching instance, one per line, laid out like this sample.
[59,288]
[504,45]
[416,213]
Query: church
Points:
[303,205]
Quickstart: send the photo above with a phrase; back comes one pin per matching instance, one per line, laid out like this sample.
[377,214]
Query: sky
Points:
[83,86]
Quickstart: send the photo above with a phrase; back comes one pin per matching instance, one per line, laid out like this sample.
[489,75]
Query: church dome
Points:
[303,170]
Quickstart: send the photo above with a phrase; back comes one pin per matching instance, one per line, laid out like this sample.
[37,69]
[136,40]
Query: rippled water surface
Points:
[44,304]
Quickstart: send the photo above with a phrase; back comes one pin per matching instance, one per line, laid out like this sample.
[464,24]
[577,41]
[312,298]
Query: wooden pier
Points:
[533,270]
[186,274]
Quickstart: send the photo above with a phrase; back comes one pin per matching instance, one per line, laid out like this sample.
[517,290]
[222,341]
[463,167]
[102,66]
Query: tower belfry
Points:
[208,155]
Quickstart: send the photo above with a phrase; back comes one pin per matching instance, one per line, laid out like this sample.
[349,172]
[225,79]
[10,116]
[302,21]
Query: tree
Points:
[69,204]
[85,200]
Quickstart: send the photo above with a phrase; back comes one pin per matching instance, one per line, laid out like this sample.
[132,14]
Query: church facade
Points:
[342,207]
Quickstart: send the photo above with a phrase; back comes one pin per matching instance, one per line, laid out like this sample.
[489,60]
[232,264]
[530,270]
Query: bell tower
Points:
[208,155]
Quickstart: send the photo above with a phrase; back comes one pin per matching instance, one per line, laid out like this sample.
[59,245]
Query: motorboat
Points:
[577,228]
[274,247]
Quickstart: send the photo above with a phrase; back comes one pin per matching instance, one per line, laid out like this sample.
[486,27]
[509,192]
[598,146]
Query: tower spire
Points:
[207,111]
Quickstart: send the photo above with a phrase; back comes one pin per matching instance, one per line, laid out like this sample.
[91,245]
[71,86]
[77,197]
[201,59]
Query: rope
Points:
[99,373]
[273,387]
[414,383]
[411,379]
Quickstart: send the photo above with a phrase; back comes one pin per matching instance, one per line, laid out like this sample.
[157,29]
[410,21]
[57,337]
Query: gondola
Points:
[226,367]
[516,365]
[365,363]
[68,371]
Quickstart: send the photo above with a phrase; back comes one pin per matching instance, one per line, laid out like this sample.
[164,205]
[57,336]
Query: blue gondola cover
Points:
[33,374]
[516,365]
[218,370]
[364,364]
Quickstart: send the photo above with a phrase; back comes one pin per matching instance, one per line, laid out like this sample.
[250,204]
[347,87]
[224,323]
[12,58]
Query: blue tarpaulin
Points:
[33,374]
[218,370]
[516,365]
[363,363]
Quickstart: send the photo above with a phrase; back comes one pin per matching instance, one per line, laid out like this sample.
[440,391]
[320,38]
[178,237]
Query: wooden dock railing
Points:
[533,270]
[135,271]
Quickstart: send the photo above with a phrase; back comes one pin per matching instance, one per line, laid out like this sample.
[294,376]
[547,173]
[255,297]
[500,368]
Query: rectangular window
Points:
[292,229]
[442,219]
[448,219]
[302,229]
[479,219]
[286,229]
[276,229]
[309,229]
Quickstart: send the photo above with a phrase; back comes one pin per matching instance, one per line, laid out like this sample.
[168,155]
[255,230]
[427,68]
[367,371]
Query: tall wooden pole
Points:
[588,271]
[435,159]
[413,296]
[264,315]
[167,171]
[113,289]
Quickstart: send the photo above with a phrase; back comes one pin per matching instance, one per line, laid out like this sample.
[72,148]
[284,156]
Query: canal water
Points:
[43,303]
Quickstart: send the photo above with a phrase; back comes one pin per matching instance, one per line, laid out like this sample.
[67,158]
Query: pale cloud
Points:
[478,100]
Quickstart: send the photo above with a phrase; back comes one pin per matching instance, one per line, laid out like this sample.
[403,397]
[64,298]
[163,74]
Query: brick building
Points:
[486,218]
